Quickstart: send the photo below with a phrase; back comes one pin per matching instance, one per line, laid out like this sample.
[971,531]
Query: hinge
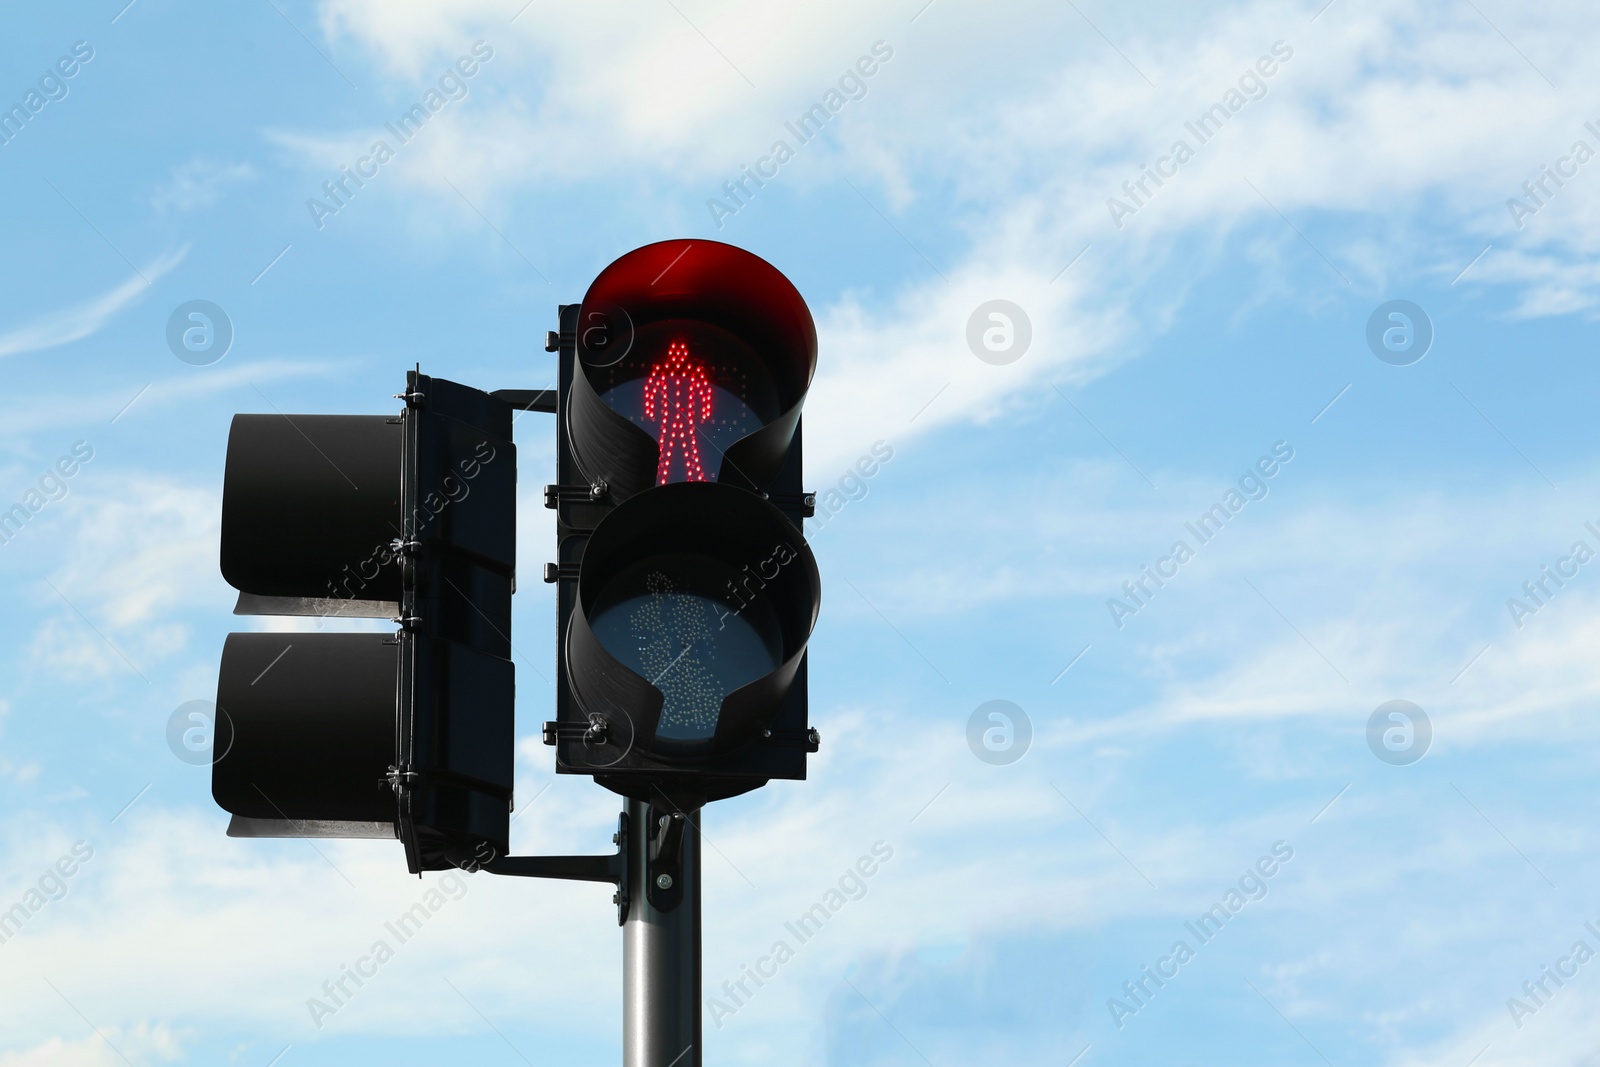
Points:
[592,493]
[555,572]
[809,739]
[594,732]
[805,503]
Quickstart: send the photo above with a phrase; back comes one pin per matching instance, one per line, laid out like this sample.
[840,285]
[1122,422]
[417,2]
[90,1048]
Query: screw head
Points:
[663,881]
[814,736]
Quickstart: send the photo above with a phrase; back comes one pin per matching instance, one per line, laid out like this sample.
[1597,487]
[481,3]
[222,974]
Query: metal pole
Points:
[661,950]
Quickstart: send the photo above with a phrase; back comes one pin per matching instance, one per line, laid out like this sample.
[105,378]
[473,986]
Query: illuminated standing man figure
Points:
[679,395]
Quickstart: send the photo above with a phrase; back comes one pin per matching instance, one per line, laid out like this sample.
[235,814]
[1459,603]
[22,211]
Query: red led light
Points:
[678,394]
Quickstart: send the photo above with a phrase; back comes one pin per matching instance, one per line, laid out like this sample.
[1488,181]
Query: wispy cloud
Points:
[1455,119]
[199,184]
[130,398]
[81,320]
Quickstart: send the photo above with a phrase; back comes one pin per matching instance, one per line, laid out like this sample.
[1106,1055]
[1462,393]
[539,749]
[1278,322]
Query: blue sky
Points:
[1172,347]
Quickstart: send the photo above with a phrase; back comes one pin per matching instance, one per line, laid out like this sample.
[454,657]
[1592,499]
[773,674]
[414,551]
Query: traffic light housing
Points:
[686,590]
[408,734]
[686,596]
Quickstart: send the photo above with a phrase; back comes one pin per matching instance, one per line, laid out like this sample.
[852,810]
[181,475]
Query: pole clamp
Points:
[664,871]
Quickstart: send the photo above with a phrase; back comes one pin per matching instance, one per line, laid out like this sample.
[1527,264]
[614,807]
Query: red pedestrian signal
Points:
[688,593]
[677,394]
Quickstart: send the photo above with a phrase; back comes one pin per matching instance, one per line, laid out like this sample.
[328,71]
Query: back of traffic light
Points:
[410,518]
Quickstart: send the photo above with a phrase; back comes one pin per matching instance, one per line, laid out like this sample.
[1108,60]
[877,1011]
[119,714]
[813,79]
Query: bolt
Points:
[663,881]
[552,341]
[814,736]
[766,733]
[616,898]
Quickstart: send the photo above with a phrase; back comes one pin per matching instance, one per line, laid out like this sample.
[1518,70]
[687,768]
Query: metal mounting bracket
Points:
[613,868]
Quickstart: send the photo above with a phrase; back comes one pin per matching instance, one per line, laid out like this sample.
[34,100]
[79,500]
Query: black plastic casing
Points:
[777,746]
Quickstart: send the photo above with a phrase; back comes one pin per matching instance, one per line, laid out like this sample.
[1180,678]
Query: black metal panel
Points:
[310,504]
[458,740]
[460,600]
[466,473]
[464,728]
[457,731]
[305,727]
[452,400]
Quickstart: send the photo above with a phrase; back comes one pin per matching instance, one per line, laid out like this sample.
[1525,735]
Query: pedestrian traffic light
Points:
[686,591]
[406,734]
[685,599]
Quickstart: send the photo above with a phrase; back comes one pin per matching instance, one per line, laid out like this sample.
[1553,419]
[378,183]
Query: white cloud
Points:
[79,321]
[132,401]
[110,1048]
[199,184]
[1383,117]
[144,551]
[281,915]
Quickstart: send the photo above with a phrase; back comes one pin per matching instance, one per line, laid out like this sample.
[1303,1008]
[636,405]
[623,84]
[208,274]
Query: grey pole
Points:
[661,949]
